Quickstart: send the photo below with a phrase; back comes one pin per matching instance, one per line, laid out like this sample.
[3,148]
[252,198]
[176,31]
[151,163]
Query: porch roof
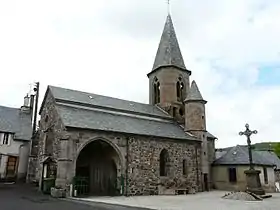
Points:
[101,119]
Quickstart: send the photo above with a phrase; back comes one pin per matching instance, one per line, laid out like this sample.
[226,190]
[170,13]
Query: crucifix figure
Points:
[248,134]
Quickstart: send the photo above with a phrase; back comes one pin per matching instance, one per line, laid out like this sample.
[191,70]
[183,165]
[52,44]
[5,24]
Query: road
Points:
[25,197]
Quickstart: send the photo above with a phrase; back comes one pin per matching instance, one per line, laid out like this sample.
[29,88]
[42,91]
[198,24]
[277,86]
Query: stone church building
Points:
[99,145]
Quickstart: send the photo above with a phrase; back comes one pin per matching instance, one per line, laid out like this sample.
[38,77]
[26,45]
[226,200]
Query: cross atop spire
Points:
[168,6]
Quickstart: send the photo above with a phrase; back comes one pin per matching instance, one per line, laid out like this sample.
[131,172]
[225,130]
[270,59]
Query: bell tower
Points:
[169,78]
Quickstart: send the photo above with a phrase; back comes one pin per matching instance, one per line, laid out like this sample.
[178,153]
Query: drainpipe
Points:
[36,89]
[32,106]
[126,171]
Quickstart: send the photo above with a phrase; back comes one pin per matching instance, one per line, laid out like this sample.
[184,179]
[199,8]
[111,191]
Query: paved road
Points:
[25,197]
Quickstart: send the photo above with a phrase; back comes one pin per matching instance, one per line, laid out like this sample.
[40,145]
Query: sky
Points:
[107,47]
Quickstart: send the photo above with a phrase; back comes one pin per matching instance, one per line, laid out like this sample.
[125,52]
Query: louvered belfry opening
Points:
[96,166]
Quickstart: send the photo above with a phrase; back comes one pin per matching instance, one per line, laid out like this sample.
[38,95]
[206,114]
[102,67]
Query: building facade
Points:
[15,140]
[118,147]
[229,167]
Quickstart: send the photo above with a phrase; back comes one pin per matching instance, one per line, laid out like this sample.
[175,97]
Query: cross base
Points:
[253,182]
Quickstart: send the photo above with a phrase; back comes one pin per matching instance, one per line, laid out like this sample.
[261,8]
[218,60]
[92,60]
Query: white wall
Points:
[221,178]
[23,160]
[13,148]
[270,176]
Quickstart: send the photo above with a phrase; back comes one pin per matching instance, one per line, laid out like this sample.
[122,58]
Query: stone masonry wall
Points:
[49,123]
[211,150]
[141,172]
[195,116]
[277,176]
[144,168]
[79,139]
[168,77]
[211,159]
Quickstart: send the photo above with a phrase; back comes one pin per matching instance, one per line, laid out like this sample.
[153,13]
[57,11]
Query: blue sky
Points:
[269,75]
[232,48]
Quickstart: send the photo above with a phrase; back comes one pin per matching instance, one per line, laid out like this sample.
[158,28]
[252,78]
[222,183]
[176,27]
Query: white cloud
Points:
[107,46]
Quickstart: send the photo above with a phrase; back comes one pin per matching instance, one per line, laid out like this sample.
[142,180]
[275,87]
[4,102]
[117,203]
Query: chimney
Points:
[32,105]
[26,101]
[25,107]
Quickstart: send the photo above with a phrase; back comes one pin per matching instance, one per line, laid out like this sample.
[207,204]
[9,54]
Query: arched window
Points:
[164,159]
[185,168]
[156,91]
[179,89]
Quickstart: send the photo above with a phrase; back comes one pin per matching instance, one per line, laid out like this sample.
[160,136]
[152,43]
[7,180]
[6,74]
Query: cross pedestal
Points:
[253,182]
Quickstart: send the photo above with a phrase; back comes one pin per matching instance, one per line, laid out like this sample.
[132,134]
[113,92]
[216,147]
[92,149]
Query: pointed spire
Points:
[169,53]
[194,94]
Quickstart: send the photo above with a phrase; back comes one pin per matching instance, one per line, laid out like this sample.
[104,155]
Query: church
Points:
[90,144]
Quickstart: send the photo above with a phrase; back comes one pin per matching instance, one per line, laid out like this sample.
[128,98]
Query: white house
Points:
[230,164]
[15,140]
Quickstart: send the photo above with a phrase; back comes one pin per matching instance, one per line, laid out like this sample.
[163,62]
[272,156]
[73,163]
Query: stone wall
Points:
[141,172]
[32,169]
[168,77]
[211,159]
[50,123]
[195,116]
[277,175]
[33,160]
[211,150]
[143,167]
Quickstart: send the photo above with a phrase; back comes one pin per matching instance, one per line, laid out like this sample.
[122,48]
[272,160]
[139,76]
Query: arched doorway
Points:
[97,165]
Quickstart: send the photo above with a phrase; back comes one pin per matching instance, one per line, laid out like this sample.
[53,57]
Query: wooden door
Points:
[11,168]
[103,177]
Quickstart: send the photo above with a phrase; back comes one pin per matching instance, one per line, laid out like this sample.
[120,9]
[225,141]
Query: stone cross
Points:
[248,134]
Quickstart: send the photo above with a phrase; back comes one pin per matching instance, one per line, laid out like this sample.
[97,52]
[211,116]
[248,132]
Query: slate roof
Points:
[12,120]
[169,53]
[211,135]
[270,156]
[106,102]
[194,94]
[239,155]
[90,111]
[98,119]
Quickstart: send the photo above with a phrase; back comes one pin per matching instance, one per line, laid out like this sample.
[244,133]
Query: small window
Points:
[179,89]
[265,175]
[47,118]
[185,168]
[181,112]
[232,175]
[156,91]
[5,139]
[164,159]
[174,111]
[202,117]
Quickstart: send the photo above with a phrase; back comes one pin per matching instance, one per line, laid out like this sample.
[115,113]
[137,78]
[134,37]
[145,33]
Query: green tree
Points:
[277,149]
